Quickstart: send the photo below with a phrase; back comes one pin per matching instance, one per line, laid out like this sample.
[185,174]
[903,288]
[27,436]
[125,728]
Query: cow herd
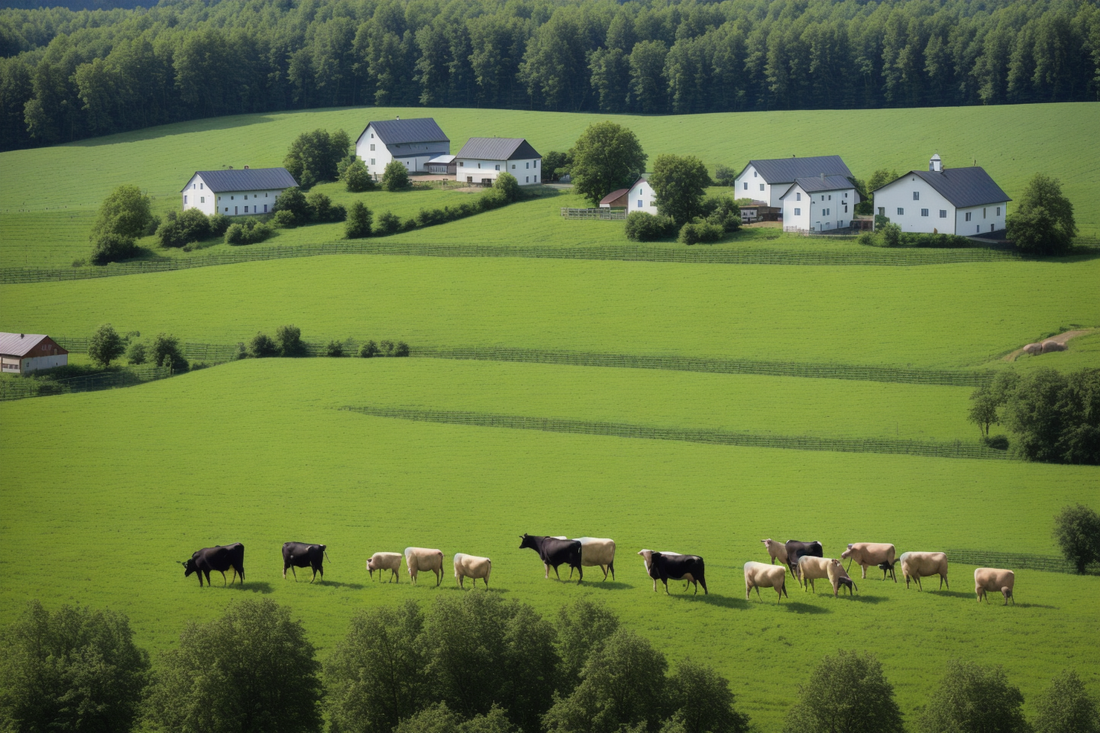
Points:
[805,560]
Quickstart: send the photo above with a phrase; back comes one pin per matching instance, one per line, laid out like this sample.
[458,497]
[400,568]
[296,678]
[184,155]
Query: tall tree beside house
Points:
[105,346]
[1043,222]
[606,157]
[679,182]
[124,215]
[314,157]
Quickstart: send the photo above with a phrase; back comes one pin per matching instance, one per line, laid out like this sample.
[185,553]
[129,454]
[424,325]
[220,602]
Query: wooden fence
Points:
[1010,560]
[601,214]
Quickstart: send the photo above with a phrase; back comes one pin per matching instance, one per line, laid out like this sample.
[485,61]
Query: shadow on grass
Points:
[864,599]
[713,599]
[1035,605]
[605,585]
[953,593]
[261,586]
[796,607]
[338,584]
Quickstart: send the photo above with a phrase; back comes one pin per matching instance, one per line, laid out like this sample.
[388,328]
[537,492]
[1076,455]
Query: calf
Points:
[381,561]
[866,554]
[811,568]
[796,549]
[776,550]
[554,551]
[665,566]
[916,565]
[758,575]
[995,579]
[218,559]
[422,558]
[839,577]
[473,567]
[301,555]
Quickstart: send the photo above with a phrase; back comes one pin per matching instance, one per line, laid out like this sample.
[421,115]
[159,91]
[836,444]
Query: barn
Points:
[236,192]
[767,180]
[961,201]
[414,142]
[22,353]
[482,159]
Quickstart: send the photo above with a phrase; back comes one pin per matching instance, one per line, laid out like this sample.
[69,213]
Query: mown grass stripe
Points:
[956,449]
[623,253]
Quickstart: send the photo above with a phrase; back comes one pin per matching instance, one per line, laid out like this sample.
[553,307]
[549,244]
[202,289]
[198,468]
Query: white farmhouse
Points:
[413,142]
[482,159]
[640,197]
[768,180]
[962,201]
[236,192]
[21,353]
[819,204]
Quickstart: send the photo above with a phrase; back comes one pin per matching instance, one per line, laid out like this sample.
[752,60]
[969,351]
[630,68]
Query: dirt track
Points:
[1061,338]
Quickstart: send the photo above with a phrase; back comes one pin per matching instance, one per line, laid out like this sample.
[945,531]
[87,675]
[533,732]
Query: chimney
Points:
[246,167]
[935,165]
[399,117]
[823,176]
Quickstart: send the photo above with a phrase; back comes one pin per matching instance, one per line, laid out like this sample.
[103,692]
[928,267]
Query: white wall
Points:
[11,365]
[983,219]
[821,211]
[899,194]
[376,159]
[527,171]
[413,155]
[641,198]
[198,196]
[750,185]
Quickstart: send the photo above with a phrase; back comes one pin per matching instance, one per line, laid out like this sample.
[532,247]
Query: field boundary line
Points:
[26,388]
[1011,560]
[928,449]
[628,252]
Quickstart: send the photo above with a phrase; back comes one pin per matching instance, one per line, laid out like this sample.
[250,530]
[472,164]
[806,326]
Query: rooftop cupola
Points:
[935,164]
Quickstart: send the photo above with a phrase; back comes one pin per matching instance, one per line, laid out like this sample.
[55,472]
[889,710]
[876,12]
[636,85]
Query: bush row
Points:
[288,342]
[721,215]
[887,234]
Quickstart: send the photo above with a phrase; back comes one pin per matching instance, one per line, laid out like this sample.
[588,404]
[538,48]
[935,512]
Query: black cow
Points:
[302,555]
[553,552]
[888,567]
[796,549]
[846,583]
[219,559]
[678,567]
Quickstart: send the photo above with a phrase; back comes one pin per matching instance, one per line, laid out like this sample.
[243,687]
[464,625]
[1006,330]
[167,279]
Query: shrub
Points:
[386,347]
[643,227]
[1066,707]
[320,206]
[849,693]
[408,225]
[368,350]
[1043,222]
[190,226]
[294,201]
[126,212]
[867,239]
[358,223]
[219,223]
[338,213]
[1077,532]
[492,198]
[699,230]
[137,353]
[165,351]
[430,217]
[334,348]
[71,670]
[112,247]
[724,175]
[389,223]
[250,231]
[395,177]
[253,669]
[356,176]
[974,699]
[401,349]
[290,341]
[723,212]
[262,346]
[105,346]
[284,220]
[891,235]
[507,184]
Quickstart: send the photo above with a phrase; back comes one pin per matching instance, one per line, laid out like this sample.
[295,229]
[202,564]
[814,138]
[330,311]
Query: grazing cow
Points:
[994,579]
[796,549]
[302,555]
[1033,349]
[553,551]
[664,566]
[811,568]
[917,565]
[776,550]
[866,554]
[423,558]
[758,575]
[473,567]
[596,552]
[219,559]
[1051,345]
[381,561]
[839,577]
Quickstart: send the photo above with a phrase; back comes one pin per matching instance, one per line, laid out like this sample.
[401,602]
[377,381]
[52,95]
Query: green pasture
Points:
[126,483]
[943,316]
[62,186]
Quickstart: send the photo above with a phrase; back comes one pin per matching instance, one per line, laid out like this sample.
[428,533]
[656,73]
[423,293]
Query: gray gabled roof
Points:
[786,170]
[400,132]
[819,183]
[963,187]
[245,179]
[498,148]
[19,344]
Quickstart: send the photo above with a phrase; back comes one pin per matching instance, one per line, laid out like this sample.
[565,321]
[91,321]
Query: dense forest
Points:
[67,75]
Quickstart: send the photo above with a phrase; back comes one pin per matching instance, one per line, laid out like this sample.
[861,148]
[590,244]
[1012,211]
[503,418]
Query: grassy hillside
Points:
[255,452]
[49,194]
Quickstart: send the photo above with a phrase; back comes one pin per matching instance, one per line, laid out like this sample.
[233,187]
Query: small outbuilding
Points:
[615,199]
[22,353]
[414,142]
[442,165]
[759,211]
[236,192]
[640,197]
[482,159]
[819,204]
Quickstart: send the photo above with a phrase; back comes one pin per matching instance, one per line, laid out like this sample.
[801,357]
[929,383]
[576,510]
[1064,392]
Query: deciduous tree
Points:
[395,177]
[1067,707]
[974,699]
[1043,221]
[105,346]
[1077,532]
[847,693]
[679,182]
[358,223]
[606,157]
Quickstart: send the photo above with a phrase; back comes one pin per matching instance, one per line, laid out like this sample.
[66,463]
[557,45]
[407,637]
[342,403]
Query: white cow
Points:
[811,568]
[385,561]
[838,576]
[866,554]
[917,565]
[596,552]
[777,550]
[473,567]
[422,558]
[994,579]
[758,575]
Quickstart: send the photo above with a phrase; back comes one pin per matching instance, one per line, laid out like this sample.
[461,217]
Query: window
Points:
[845,208]
[845,194]
[372,161]
[798,212]
[761,186]
[916,195]
[924,212]
[746,184]
[200,186]
[998,211]
[943,213]
[479,165]
[528,166]
[185,201]
[230,198]
[202,199]
[639,203]
[901,211]
[513,166]
[246,197]
[372,136]
[535,164]
[754,174]
[527,179]
[882,211]
[498,167]
[227,209]
[797,196]
[830,197]
[266,193]
[265,208]
[983,212]
[372,145]
[968,215]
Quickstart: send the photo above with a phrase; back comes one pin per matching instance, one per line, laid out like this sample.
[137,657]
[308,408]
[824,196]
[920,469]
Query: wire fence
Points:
[220,353]
[942,377]
[1010,560]
[25,387]
[930,449]
[747,253]
[599,214]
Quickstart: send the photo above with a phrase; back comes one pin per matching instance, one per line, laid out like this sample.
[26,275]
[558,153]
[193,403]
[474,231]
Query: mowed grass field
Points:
[49,196]
[126,483]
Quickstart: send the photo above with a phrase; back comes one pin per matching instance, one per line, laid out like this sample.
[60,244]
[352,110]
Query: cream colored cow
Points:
[597,552]
[811,568]
[777,551]
[992,580]
[917,565]
[472,567]
[758,575]
[838,576]
[422,558]
[868,554]
[385,561]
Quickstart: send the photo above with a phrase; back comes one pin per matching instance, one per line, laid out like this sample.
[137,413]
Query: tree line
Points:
[69,75]
[467,664]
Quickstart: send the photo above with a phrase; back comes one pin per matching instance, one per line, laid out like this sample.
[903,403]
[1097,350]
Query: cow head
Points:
[847,553]
[189,567]
[527,542]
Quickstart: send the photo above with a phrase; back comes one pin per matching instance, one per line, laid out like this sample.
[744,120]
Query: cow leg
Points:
[611,567]
[920,586]
[864,568]
[439,577]
[666,586]
[556,575]
[943,579]
[580,574]
[604,569]
[704,583]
